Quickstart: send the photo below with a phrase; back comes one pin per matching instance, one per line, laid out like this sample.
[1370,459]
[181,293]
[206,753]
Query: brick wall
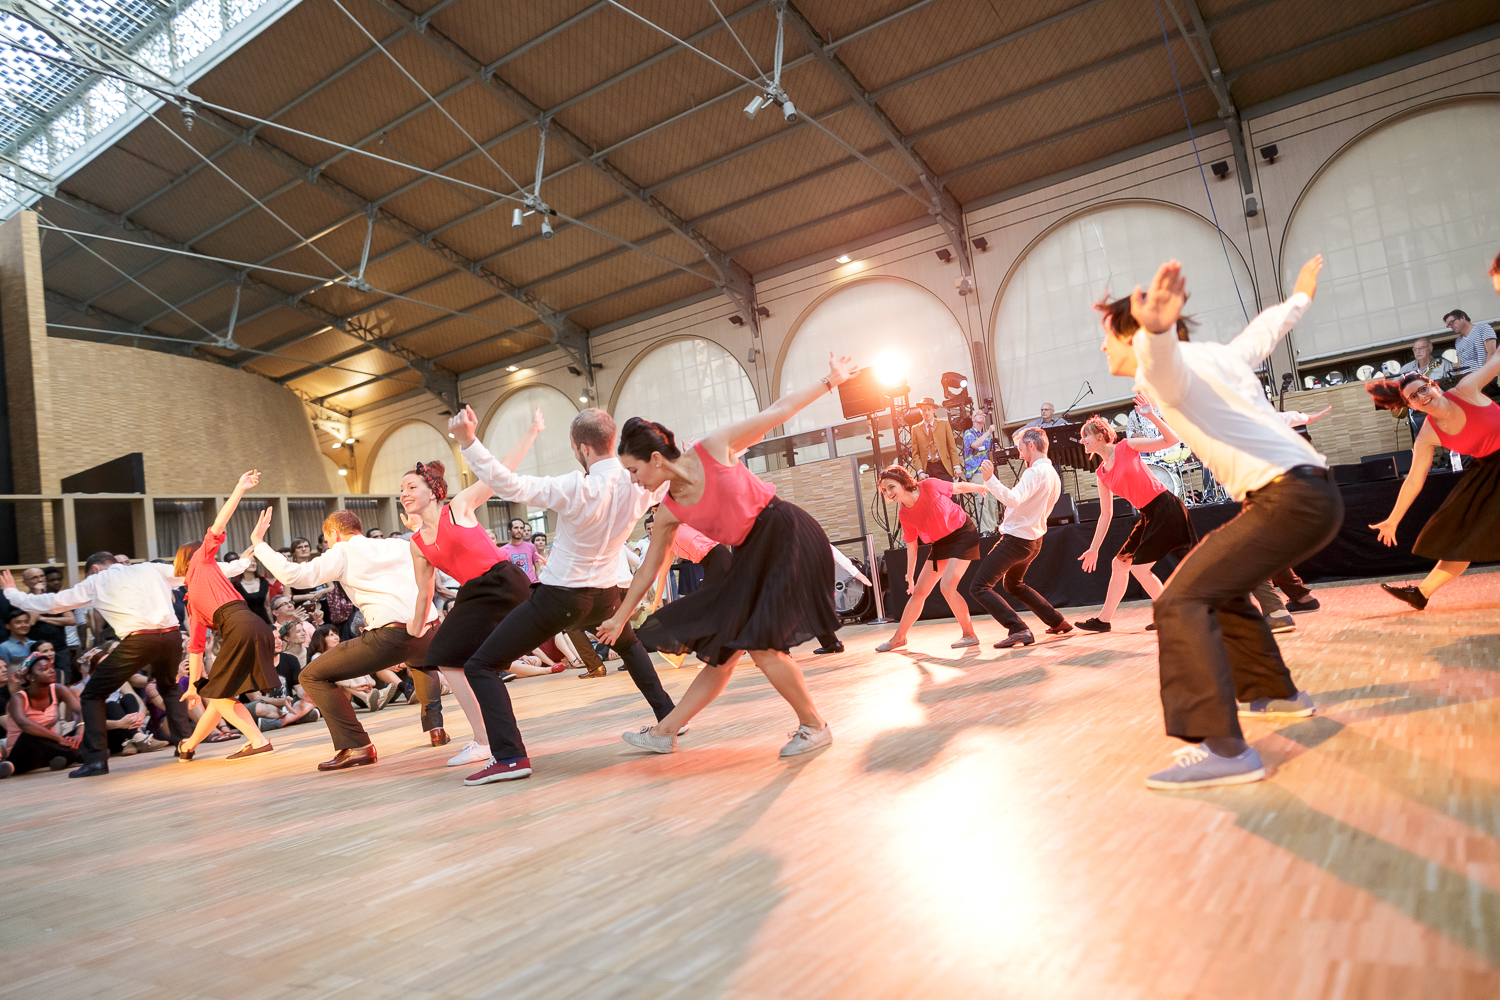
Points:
[826,491]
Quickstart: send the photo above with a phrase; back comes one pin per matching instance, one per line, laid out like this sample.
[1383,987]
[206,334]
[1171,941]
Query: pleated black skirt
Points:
[1466,528]
[1164,527]
[777,594]
[960,543]
[247,654]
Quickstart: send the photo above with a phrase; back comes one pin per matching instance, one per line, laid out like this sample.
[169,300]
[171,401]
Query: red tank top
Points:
[1129,477]
[462,553]
[1481,433]
[732,497]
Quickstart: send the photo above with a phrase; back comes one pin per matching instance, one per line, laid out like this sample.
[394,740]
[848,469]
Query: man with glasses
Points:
[1475,344]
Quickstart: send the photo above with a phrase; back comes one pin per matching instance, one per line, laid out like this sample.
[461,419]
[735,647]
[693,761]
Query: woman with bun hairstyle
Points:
[449,537]
[1164,526]
[247,646]
[1466,528]
[778,593]
[928,514]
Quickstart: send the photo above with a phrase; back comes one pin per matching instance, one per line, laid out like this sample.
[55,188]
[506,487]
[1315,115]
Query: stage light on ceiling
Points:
[1269,152]
[515,218]
[980,243]
[762,312]
[583,399]
[337,444]
[343,472]
[737,320]
[450,434]
[890,369]
[945,255]
[1221,169]
[511,368]
[756,103]
[789,111]
[842,259]
[351,440]
[546,228]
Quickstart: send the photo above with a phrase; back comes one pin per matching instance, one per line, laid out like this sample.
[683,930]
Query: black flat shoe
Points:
[185,755]
[1021,638]
[1061,628]
[837,647]
[1410,595]
[1311,604]
[90,771]
[1093,625]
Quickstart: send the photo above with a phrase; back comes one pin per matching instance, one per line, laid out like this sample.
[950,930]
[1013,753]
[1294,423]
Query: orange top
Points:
[732,498]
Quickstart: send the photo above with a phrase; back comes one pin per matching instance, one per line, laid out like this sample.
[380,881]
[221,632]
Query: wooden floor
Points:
[978,829]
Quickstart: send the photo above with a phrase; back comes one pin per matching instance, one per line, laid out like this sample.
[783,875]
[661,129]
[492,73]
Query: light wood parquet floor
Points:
[978,829]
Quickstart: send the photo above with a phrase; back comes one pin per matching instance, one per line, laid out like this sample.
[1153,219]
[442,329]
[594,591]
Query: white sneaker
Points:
[472,753]
[684,730]
[644,740]
[805,740]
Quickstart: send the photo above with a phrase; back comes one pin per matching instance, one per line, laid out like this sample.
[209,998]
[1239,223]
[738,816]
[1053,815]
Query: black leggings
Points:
[29,753]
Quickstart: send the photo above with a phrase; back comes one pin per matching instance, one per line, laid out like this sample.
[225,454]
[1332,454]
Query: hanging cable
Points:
[653,25]
[1182,98]
[732,34]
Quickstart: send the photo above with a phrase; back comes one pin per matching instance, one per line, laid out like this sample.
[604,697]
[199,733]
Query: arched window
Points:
[1046,334]
[550,455]
[1405,220]
[873,321]
[691,385]
[400,452]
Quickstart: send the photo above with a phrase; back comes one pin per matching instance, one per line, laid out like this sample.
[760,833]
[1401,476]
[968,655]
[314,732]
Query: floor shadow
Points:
[1471,652]
[1101,658]
[913,748]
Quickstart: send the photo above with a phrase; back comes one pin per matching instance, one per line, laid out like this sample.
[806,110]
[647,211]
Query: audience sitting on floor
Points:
[32,739]
[18,646]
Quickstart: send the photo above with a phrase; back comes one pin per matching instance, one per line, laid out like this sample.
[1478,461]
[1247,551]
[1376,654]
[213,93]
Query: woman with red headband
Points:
[1466,528]
[247,653]
[449,537]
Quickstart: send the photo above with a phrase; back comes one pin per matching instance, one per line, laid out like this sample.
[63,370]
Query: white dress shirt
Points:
[131,597]
[596,512]
[1210,395]
[1029,503]
[376,573]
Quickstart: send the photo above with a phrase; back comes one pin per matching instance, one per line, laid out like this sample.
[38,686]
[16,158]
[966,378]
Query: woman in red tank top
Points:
[449,537]
[1163,526]
[1466,528]
[778,592]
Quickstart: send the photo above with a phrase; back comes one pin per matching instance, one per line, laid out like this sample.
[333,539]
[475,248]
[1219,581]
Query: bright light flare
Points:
[890,368]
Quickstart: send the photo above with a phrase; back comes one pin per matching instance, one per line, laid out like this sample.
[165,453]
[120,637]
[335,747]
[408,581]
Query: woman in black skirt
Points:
[1164,526]
[247,646]
[928,514]
[779,589]
[1466,528]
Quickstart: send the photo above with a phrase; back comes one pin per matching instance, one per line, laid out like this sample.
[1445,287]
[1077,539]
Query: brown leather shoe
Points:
[350,758]
[439,736]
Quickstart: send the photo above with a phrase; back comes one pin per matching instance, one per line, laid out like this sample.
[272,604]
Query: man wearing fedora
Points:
[932,447]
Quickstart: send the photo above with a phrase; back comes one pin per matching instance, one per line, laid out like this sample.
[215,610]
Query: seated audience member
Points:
[255,589]
[31,718]
[288,669]
[296,636]
[18,646]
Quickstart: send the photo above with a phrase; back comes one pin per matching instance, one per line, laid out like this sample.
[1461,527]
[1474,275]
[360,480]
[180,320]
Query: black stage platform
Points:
[1355,552]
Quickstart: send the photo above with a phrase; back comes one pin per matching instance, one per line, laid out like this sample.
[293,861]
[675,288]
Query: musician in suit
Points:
[932,447]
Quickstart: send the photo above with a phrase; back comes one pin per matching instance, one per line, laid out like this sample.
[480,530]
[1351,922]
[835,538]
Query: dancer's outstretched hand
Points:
[1143,405]
[538,422]
[1158,307]
[462,426]
[262,525]
[1307,278]
[840,369]
[1387,530]
[1090,560]
[249,481]
[7,581]
[1321,413]
[609,632]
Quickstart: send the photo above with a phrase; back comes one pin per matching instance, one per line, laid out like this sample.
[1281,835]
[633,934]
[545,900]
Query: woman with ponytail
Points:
[1466,528]
[778,593]
[447,535]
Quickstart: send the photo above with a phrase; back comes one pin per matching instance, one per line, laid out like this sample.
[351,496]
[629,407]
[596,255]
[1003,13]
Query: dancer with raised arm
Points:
[378,576]
[1215,647]
[928,514]
[779,589]
[247,648]
[596,512]
[1163,527]
[449,537]
[1466,528]
[136,601]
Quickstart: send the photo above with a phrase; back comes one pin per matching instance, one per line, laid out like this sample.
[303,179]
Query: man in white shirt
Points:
[579,587]
[378,576]
[1027,507]
[136,601]
[1215,648]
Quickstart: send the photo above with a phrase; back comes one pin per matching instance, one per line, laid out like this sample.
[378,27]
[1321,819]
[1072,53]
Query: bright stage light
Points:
[343,472]
[890,369]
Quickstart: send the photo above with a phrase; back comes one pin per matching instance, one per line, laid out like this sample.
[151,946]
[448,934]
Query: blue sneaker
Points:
[1297,707]
[1198,767]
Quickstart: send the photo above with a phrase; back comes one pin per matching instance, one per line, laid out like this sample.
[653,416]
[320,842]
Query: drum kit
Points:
[1174,468]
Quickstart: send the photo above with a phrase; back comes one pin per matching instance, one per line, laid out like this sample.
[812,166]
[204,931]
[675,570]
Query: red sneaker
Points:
[501,770]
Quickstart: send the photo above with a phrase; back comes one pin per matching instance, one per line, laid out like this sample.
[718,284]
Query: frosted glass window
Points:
[872,321]
[1405,219]
[551,454]
[402,450]
[693,386]
[1046,333]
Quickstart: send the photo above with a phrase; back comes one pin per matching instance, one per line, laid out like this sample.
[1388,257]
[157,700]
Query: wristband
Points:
[827,384]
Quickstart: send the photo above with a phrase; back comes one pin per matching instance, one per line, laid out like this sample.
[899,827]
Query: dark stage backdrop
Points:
[1354,553]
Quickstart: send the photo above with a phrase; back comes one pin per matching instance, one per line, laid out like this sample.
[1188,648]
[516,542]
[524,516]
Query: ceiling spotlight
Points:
[945,255]
[351,440]
[1269,152]
[451,435]
[980,243]
[343,472]
[511,368]
[583,399]
[842,259]
[573,371]
[737,320]
[337,444]
[756,103]
[1221,169]
[789,111]
[546,228]
[515,218]
[762,312]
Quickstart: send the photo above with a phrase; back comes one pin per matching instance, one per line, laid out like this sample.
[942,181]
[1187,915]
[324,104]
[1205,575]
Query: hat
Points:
[927,401]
